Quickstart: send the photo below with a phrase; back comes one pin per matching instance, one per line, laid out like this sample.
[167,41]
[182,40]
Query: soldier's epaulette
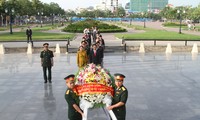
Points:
[67,92]
[123,88]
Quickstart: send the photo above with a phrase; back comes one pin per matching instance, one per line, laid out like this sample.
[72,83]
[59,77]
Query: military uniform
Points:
[71,99]
[46,56]
[29,35]
[121,95]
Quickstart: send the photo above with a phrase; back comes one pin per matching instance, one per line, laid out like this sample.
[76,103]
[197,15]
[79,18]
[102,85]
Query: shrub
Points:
[78,27]
[173,24]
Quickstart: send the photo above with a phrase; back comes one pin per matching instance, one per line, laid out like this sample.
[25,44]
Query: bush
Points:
[173,24]
[78,27]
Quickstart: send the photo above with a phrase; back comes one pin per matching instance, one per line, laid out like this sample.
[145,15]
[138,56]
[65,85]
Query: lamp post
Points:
[59,15]
[52,18]
[1,20]
[121,15]
[40,14]
[143,16]
[130,21]
[180,12]
[10,12]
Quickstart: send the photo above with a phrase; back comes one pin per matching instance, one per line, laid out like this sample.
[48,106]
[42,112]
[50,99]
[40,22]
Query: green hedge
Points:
[173,24]
[78,27]
[3,28]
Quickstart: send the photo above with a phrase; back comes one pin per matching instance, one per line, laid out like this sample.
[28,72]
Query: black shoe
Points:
[50,81]
[45,81]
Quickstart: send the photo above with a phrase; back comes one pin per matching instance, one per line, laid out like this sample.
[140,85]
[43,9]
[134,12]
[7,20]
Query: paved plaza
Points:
[161,87]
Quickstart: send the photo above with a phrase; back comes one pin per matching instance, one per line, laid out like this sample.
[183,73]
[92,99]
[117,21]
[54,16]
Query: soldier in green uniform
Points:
[120,97]
[74,111]
[46,62]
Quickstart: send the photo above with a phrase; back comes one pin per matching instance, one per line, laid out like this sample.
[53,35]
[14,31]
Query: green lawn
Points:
[157,34]
[45,27]
[184,27]
[38,27]
[35,36]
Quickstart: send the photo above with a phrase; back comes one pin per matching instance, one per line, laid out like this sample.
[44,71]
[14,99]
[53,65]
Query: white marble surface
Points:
[160,87]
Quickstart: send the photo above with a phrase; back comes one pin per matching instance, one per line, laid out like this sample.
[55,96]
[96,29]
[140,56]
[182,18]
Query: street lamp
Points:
[59,15]
[1,20]
[40,14]
[52,17]
[121,15]
[143,15]
[130,21]
[10,11]
[180,12]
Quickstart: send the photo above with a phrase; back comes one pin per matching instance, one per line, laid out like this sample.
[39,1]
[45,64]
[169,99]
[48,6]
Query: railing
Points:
[155,40]
[62,40]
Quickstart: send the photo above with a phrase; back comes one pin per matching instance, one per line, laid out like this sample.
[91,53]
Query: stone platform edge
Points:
[108,49]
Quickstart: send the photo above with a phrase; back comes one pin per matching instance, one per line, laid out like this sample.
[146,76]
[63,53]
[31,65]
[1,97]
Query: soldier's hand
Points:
[108,93]
[82,114]
[110,107]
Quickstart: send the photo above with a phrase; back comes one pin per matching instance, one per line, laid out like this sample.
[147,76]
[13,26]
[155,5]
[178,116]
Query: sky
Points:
[72,4]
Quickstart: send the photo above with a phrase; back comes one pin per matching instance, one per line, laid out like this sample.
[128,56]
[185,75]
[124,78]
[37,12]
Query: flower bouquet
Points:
[94,85]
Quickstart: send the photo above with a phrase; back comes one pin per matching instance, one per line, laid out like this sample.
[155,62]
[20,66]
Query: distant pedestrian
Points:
[46,62]
[194,26]
[189,26]
[94,34]
[29,35]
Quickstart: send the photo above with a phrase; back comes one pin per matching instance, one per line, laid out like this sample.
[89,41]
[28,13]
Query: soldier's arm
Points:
[77,109]
[41,56]
[51,61]
[119,104]
[52,58]
[70,100]
[122,102]
[41,61]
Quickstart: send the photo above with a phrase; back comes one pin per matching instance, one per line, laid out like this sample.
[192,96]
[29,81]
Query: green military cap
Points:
[69,77]
[119,76]
[46,44]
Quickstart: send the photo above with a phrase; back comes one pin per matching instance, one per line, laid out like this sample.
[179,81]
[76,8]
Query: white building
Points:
[108,5]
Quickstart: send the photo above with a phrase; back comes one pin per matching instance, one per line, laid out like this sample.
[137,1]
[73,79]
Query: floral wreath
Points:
[94,86]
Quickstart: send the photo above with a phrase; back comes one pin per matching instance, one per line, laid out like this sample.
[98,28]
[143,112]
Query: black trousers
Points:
[29,38]
[45,68]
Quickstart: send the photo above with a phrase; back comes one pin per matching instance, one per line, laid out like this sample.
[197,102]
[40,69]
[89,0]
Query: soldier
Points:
[120,97]
[74,111]
[29,35]
[46,62]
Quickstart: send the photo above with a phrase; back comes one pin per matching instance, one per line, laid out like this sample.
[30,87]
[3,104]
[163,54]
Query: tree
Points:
[99,13]
[121,12]
[108,13]
[195,14]
[37,6]
[24,7]
[70,13]
[169,13]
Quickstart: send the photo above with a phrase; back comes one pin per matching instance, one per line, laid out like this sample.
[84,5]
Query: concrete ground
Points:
[160,86]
